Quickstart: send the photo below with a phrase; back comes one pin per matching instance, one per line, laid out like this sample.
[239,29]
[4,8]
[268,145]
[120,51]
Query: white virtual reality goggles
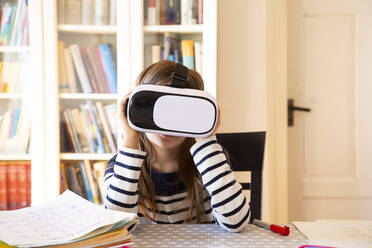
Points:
[172,110]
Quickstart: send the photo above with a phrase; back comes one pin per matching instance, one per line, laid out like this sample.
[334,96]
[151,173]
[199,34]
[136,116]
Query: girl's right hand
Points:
[130,136]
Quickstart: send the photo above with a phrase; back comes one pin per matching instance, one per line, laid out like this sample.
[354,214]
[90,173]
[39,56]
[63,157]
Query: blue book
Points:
[15,120]
[108,66]
[170,12]
[101,147]
[7,18]
[84,175]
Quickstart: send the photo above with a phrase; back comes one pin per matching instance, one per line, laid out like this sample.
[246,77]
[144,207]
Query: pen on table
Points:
[272,227]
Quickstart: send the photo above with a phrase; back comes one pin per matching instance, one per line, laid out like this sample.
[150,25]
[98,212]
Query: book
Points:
[151,12]
[62,70]
[3,187]
[188,53]
[93,119]
[108,66]
[21,169]
[89,70]
[87,12]
[71,78]
[72,179]
[80,69]
[113,9]
[99,169]
[185,12]
[101,16]
[97,70]
[106,127]
[93,143]
[65,221]
[12,186]
[111,113]
[84,176]
[198,51]
[61,5]
[29,191]
[72,12]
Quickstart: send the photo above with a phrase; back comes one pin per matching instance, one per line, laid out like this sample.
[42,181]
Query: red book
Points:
[3,187]
[28,166]
[22,185]
[12,186]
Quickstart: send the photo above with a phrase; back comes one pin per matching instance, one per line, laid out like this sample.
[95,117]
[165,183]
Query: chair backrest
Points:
[246,152]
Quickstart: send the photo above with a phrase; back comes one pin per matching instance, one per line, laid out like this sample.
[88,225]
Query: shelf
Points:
[83,156]
[87,29]
[14,49]
[197,28]
[9,96]
[85,96]
[15,157]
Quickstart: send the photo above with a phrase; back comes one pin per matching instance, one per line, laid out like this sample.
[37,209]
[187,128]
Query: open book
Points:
[67,221]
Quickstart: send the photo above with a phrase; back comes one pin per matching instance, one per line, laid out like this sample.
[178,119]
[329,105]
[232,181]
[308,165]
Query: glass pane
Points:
[15,106]
[87,83]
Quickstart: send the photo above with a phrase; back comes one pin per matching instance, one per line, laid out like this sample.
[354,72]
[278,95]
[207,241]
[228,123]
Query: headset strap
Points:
[179,76]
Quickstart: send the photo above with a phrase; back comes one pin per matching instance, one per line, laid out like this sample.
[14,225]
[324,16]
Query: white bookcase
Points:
[127,37]
[29,97]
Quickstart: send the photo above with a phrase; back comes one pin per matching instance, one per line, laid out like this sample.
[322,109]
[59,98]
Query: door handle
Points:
[291,109]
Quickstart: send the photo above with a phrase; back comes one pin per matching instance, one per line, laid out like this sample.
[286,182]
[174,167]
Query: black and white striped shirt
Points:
[224,201]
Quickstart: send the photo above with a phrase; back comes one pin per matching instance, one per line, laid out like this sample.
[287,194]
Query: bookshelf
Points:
[144,34]
[89,35]
[21,105]
[128,38]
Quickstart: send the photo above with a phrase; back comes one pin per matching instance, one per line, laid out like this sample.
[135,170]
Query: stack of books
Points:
[15,185]
[67,221]
[87,70]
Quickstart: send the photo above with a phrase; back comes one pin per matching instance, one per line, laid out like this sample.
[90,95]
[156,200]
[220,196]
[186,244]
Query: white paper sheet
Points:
[67,217]
[337,233]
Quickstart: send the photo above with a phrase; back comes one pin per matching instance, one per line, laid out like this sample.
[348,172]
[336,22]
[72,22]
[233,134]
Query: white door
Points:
[330,72]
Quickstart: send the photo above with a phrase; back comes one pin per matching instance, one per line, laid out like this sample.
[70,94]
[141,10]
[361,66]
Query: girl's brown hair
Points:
[160,74]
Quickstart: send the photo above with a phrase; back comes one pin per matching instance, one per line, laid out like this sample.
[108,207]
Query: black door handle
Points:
[291,109]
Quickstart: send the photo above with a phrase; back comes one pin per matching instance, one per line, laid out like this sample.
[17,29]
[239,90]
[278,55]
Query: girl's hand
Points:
[217,125]
[130,136]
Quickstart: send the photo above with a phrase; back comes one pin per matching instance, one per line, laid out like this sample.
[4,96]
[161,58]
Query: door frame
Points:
[275,188]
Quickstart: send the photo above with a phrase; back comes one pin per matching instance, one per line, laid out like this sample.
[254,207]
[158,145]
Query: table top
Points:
[211,235]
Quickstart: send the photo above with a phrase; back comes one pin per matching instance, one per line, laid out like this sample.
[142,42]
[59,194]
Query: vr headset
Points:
[172,110]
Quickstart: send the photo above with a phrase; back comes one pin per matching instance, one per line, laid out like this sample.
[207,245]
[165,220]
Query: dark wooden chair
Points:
[246,152]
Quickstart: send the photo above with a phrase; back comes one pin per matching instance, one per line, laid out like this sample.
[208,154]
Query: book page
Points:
[337,233]
[67,217]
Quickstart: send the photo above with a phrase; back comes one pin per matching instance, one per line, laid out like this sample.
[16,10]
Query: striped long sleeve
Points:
[121,180]
[230,207]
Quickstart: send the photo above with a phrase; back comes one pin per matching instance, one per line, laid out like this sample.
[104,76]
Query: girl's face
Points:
[165,141]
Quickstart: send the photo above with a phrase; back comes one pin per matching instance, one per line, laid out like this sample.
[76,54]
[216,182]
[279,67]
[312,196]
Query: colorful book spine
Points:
[108,66]
[12,186]
[84,175]
[151,12]
[188,53]
[29,185]
[92,183]
[79,66]
[89,128]
[21,185]
[101,148]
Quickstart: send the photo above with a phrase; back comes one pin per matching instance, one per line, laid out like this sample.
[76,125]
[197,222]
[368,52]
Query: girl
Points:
[171,179]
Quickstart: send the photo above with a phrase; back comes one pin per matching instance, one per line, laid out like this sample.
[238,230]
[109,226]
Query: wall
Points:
[241,65]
